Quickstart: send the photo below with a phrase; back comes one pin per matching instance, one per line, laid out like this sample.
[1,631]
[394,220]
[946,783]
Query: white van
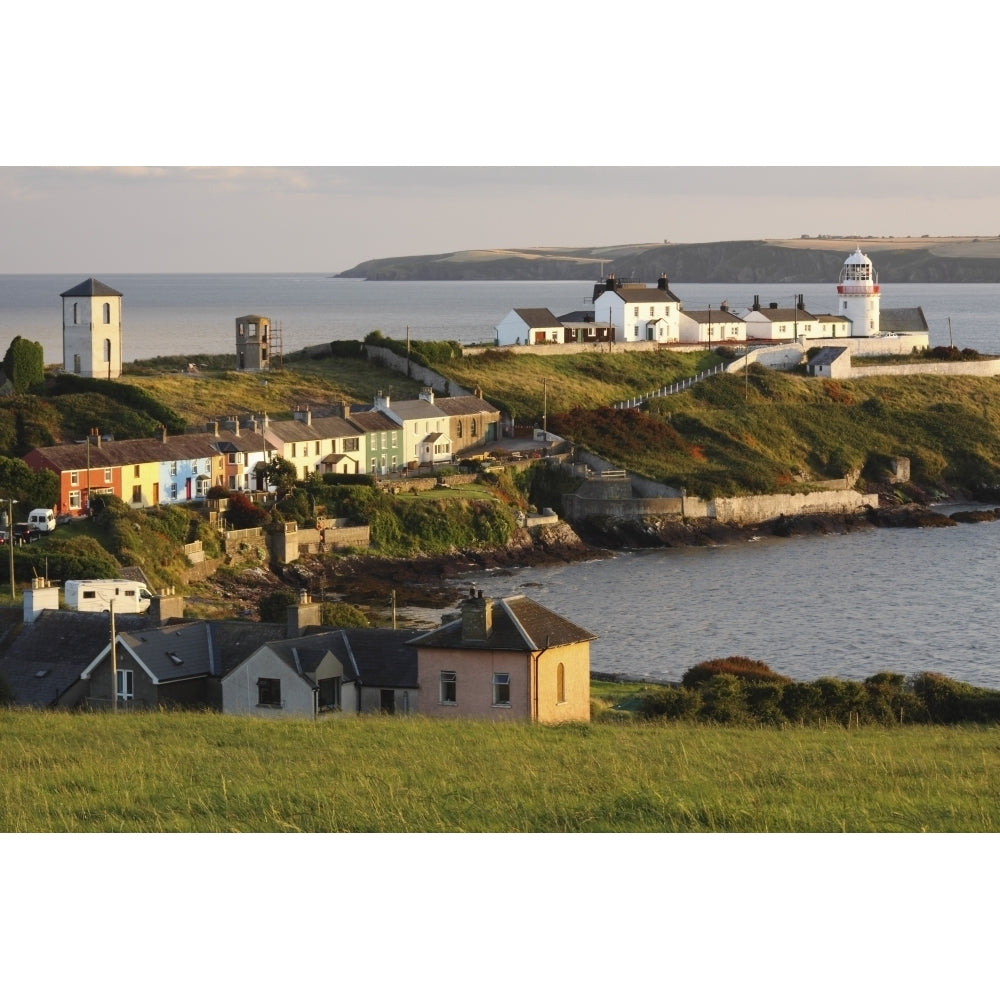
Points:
[43,518]
[97,595]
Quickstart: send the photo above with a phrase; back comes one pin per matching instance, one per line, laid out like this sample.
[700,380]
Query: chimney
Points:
[213,428]
[161,434]
[345,409]
[381,401]
[756,303]
[165,606]
[609,284]
[774,305]
[303,414]
[265,421]
[662,284]
[802,301]
[94,437]
[427,394]
[236,426]
[477,617]
[302,615]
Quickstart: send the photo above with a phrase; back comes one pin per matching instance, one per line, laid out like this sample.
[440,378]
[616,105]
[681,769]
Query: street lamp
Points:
[10,543]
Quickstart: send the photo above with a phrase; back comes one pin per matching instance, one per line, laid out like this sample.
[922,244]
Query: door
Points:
[387,701]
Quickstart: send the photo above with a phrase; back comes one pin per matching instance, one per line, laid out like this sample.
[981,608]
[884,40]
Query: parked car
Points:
[3,536]
[25,533]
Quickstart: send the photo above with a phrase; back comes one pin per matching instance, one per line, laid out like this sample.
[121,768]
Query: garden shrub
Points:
[723,700]
[740,666]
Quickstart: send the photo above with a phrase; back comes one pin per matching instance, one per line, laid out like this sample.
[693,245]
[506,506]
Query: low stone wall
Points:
[952,368]
[728,510]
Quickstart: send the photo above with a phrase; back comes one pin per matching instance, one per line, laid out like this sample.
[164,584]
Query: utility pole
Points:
[114,662]
[10,544]
[545,409]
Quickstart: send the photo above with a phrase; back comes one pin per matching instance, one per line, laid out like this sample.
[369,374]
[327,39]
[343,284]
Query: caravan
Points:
[97,595]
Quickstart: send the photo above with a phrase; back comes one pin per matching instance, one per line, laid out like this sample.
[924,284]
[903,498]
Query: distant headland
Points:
[812,259]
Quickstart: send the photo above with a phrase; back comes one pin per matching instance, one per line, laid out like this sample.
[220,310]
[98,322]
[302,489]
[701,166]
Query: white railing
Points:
[669,390]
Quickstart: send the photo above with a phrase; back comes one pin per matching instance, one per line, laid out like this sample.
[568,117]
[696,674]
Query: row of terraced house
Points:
[381,439]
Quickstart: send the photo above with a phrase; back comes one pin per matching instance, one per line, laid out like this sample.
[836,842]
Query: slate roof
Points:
[519,624]
[377,657]
[371,419]
[90,288]
[629,294]
[711,316]
[538,317]
[826,356]
[288,431]
[59,645]
[193,648]
[786,315]
[139,451]
[461,406]
[902,320]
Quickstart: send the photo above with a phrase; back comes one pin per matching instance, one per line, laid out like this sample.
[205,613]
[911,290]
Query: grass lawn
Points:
[203,772]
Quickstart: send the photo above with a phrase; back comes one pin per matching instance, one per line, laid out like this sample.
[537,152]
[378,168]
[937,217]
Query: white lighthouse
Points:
[859,295]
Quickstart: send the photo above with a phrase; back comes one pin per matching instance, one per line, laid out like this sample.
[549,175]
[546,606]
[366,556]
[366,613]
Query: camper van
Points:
[97,595]
[43,518]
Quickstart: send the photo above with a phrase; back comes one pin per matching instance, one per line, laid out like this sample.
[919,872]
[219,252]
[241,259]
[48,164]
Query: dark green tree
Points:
[24,364]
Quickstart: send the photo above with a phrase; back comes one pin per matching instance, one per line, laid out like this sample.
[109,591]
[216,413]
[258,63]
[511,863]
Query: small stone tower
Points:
[859,295]
[253,343]
[92,330]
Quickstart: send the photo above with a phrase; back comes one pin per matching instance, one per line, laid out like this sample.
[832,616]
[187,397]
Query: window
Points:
[329,694]
[636,311]
[107,315]
[501,689]
[74,479]
[269,692]
[173,491]
[135,471]
[458,428]
[76,313]
[293,452]
[350,444]
[560,683]
[107,475]
[393,438]
[449,687]
[472,429]
[137,493]
[74,499]
[107,348]
[173,468]
[125,689]
[383,439]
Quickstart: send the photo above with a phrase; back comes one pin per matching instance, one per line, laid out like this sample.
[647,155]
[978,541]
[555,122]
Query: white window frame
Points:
[448,679]
[501,681]
[125,685]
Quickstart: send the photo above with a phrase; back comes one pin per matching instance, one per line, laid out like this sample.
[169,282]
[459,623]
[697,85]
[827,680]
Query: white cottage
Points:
[639,312]
[528,326]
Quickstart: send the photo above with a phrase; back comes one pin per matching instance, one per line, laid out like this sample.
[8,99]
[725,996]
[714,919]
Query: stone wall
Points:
[952,368]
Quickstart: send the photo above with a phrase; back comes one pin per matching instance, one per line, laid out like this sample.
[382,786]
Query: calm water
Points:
[846,605]
[195,313]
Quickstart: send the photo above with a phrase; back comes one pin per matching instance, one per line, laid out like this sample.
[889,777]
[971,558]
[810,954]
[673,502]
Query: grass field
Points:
[173,772]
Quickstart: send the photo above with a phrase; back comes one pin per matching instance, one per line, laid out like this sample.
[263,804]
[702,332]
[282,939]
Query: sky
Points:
[114,220]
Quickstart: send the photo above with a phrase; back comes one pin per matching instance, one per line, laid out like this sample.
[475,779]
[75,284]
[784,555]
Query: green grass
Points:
[203,772]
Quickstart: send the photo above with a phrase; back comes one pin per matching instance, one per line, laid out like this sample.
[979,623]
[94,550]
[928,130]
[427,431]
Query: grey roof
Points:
[786,315]
[461,406]
[90,288]
[711,316]
[417,409]
[370,419]
[538,317]
[519,624]
[377,657]
[639,294]
[137,451]
[902,320]
[288,431]
[195,648]
[826,356]
[58,645]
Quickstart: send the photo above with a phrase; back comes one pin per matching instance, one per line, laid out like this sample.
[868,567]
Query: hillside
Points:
[807,259]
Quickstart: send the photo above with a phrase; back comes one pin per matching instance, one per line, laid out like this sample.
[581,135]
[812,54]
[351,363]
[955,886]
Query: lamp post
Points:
[10,543]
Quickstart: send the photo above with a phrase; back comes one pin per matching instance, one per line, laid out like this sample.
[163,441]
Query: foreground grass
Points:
[209,773]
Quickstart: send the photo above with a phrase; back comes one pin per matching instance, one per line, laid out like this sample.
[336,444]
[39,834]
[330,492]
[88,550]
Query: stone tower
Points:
[859,295]
[253,343]
[92,330]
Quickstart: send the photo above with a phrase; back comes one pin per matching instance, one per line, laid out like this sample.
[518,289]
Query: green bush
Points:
[723,700]
[337,614]
[274,607]
[739,666]
[24,364]
[670,702]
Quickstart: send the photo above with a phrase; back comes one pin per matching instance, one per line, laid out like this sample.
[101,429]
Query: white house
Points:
[638,311]
[711,326]
[528,326]
[781,323]
[92,330]
[426,437]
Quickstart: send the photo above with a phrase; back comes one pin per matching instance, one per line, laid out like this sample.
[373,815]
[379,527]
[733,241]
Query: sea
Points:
[840,605]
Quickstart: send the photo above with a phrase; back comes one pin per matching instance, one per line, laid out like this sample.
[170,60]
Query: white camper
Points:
[43,518]
[97,595]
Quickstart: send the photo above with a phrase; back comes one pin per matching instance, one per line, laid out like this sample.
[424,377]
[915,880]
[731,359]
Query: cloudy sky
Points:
[387,85]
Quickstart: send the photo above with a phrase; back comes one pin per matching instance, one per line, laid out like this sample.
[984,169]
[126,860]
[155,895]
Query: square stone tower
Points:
[92,330]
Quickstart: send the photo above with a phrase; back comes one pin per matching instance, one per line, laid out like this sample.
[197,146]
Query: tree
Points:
[281,475]
[274,607]
[24,363]
[242,513]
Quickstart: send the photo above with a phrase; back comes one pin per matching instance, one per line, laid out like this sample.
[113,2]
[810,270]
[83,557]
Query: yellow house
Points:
[507,660]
